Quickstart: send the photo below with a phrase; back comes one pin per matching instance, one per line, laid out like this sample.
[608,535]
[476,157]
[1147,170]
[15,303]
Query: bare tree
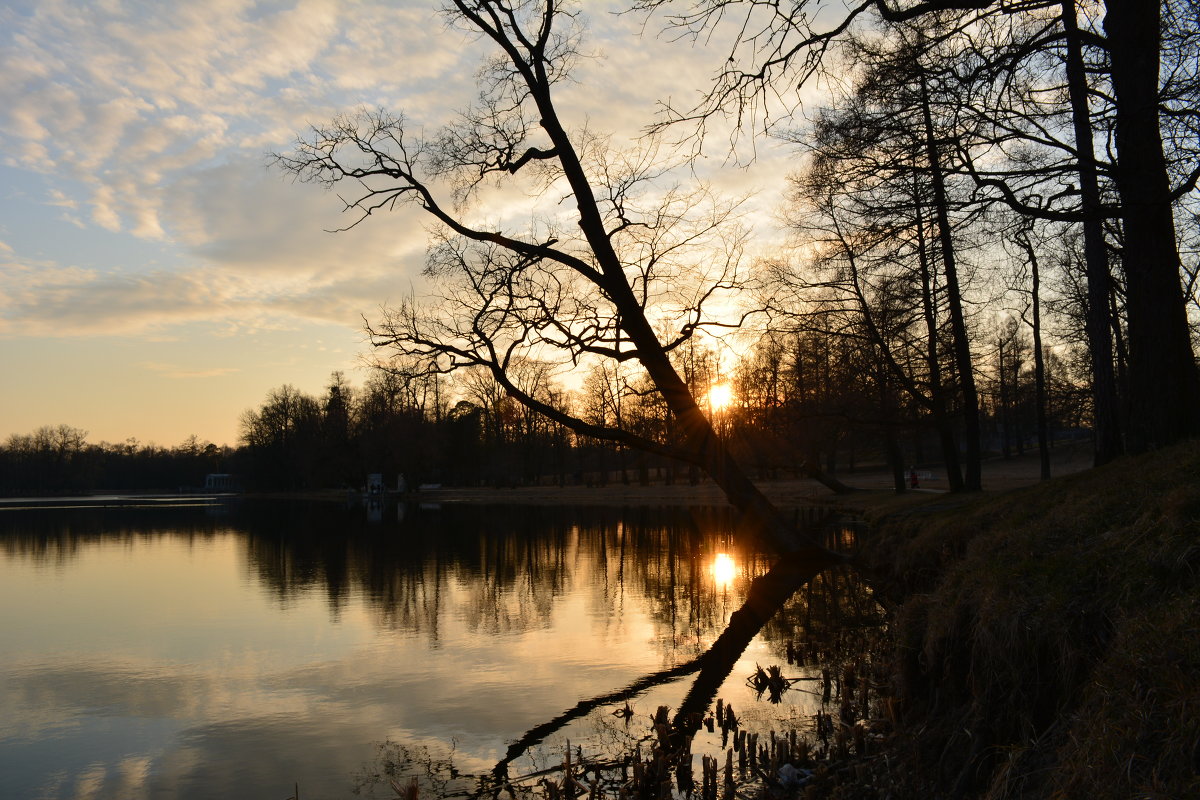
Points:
[780,45]
[635,252]
[878,205]
[1031,315]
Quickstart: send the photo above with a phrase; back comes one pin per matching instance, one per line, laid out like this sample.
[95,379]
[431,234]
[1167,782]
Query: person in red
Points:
[913,483]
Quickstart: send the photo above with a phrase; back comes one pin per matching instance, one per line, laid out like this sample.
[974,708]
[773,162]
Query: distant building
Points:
[221,482]
[375,483]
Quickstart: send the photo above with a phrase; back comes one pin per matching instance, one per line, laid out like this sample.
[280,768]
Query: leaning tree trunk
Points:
[699,439]
[710,450]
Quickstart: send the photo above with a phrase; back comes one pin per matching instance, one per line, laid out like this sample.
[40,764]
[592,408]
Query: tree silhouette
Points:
[1147,61]
[636,254]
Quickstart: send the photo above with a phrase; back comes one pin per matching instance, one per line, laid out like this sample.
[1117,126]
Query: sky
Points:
[158,277]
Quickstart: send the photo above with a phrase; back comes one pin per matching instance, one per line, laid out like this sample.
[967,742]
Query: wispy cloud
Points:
[176,371]
[60,199]
[47,300]
[153,120]
[129,97]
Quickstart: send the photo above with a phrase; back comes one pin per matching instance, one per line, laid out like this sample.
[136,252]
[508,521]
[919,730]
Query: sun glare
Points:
[723,570]
[720,396]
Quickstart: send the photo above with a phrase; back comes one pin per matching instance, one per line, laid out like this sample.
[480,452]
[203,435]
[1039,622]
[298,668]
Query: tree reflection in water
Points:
[408,574]
[504,571]
[820,616]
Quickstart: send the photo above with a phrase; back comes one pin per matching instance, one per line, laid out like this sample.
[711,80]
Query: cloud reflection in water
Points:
[185,657]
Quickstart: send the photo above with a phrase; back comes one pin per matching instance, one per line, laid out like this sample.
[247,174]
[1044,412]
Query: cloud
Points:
[73,302]
[175,371]
[132,98]
[152,120]
[128,97]
[332,283]
[59,199]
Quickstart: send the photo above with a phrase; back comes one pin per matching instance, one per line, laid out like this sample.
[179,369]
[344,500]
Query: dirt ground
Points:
[873,487]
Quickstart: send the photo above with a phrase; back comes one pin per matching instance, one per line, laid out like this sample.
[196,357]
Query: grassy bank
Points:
[1047,640]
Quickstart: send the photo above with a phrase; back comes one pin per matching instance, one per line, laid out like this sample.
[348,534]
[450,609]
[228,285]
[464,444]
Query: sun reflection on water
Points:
[723,570]
[253,627]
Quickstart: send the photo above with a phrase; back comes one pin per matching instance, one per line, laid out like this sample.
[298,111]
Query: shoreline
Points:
[872,491]
[872,488]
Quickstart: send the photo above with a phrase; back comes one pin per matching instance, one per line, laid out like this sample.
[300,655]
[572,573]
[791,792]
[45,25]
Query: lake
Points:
[202,648]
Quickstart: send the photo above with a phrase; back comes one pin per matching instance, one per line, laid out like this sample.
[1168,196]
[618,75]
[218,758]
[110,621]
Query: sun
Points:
[720,396]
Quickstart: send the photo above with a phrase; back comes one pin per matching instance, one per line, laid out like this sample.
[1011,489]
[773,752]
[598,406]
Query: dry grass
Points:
[1047,640]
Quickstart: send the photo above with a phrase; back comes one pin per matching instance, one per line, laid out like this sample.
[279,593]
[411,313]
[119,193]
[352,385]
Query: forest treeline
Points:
[791,404]
[793,400]
[58,459]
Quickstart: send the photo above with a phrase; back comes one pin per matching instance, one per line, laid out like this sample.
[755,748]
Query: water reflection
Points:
[723,570]
[185,653]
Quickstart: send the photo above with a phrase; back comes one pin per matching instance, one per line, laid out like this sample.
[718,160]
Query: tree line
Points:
[58,459]
[796,407]
[794,398]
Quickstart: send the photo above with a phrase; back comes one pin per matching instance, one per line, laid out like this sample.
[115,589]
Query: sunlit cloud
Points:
[73,302]
[175,371]
[51,301]
[59,199]
[133,97]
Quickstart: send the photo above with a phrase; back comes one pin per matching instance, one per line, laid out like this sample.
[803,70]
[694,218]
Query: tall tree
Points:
[1034,320]
[1164,383]
[878,195]
[636,253]
[1106,417]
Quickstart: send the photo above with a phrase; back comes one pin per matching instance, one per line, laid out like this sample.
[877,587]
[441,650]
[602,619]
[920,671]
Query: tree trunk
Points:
[1039,368]
[887,416]
[973,479]
[1005,416]
[937,387]
[1164,384]
[1105,407]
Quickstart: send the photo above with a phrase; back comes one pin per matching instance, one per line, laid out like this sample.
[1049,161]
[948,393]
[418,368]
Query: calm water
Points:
[236,650]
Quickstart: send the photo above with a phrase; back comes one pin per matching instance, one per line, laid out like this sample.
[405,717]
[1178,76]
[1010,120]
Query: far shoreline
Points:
[872,487]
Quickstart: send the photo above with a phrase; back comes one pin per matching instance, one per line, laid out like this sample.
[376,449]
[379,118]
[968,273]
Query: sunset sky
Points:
[157,276]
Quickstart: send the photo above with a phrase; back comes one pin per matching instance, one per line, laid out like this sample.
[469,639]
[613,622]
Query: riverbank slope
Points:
[1046,639]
